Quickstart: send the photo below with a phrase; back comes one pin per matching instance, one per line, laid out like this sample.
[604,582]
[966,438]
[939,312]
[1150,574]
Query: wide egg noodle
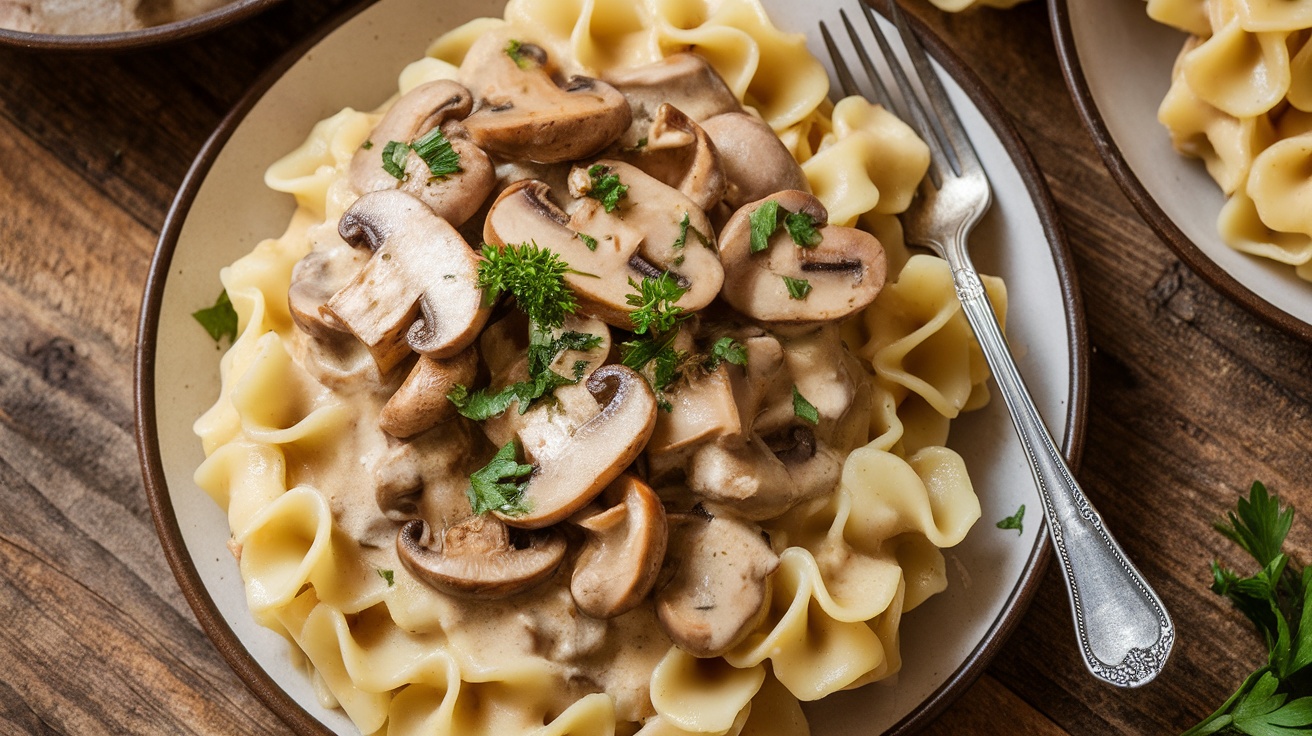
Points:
[400,658]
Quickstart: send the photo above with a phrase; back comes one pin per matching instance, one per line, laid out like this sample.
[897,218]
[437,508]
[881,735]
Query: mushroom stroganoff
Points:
[591,389]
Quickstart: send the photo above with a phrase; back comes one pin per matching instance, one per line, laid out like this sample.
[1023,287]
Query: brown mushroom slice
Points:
[756,163]
[845,270]
[315,278]
[744,475]
[477,558]
[524,113]
[702,408]
[570,473]
[681,155]
[684,80]
[421,403]
[440,104]
[720,585]
[641,238]
[420,264]
[623,549]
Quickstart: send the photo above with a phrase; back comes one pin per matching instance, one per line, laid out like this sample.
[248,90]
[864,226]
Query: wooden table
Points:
[1191,400]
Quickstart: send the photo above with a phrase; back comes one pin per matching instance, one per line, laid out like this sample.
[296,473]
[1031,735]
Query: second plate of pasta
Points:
[878,599]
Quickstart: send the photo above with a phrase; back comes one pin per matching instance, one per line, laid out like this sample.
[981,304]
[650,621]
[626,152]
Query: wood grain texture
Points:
[1191,400]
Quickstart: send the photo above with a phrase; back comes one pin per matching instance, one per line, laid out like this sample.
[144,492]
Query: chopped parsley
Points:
[764,220]
[684,226]
[483,404]
[797,288]
[655,325]
[535,276]
[588,240]
[436,151]
[219,320]
[655,301]
[726,350]
[515,50]
[387,575]
[367,145]
[499,485]
[606,187]
[1014,521]
[394,156]
[804,409]
[801,227]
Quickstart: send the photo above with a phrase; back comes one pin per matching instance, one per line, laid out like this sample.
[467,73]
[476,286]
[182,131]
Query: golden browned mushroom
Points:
[420,266]
[433,106]
[684,80]
[839,275]
[720,582]
[571,471]
[523,112]
[622,551]
[644,236]
[421,403]
[477,558]
[756,163]
[681,155]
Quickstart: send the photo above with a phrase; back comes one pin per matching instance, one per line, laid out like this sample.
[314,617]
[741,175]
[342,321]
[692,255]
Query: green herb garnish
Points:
[588,240]
[655,301]
[515,50]
[606,187]
[801,227]
[436,151]
[534,276]
[499,485]
[797,288]
[389,576]
[685,225]
[1014,521]
[764,220]
[484,404]
[394,155]
[543,348]
[726,350]
[804,409]
[219,320]
[367,145]
[1274,700]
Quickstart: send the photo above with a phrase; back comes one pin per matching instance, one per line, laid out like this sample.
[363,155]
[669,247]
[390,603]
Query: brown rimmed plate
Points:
[160,35]
[223,210]
[1117,62]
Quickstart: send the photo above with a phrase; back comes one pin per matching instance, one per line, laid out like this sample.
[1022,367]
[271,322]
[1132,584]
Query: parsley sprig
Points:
[606,186]
[725,350]
[543,349]
[1276,700]
[499,485]
[219,320]
[655,325]
[535,276]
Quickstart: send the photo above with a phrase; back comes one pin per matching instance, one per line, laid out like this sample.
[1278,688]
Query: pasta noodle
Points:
[315,492]
[1239,97]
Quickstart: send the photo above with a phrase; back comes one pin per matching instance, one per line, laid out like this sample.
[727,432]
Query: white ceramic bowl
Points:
[1118,63]
[223,209]
[160,35]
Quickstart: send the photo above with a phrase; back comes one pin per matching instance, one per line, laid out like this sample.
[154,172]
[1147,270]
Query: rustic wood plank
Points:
[986,703]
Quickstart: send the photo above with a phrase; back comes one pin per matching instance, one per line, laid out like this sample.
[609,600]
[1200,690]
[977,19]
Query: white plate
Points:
[1118,64]
[223,209]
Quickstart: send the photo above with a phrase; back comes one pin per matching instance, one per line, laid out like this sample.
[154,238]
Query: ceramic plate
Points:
[141,38]
[224,209]
[1118,64]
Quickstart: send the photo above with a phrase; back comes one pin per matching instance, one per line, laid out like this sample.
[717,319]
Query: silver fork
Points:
[1124,631]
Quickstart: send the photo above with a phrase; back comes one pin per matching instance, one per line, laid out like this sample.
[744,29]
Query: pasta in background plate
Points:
[1240,98]
[397,655]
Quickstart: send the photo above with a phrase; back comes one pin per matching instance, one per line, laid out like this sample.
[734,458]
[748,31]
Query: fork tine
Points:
[951,127]
[845,79]
[881,92]
[919,118]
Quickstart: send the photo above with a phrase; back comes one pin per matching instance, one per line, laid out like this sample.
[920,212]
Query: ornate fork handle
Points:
[1123,629]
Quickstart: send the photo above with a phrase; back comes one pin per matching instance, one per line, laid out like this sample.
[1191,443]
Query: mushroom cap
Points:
[636,240]
[421,403]
[756,163]
[477,559]
[420,266]
[623,549]
[685,80]
[846,269]
[571,472]
[720,584]
[315,278]
[524,112]
[681,155]
[442,103]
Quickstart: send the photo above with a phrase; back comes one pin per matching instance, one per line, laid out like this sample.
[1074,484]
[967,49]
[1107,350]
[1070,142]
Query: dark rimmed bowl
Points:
[222,210]
[160,35]
[1117,62]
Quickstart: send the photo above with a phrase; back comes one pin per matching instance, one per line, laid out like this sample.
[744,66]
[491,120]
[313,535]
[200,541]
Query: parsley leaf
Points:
[387,575]
[763,221]
[367,145]
[726,350]
[219,320]
[499,485]
[804,409]
[588,240]
[515,50]
[436,151]
[797,288]
[684,226]
[394,156]
[1014,521]
[606,187]
[542,351]
[655,301]
[801,227]
[534,275]
[543,348]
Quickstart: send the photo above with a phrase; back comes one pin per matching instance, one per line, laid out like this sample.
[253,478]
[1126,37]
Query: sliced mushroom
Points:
[477,558]
[684,80]
[743,475]
[420,265]
[315,278]
[525,113]
[640,238]
[570,473]
[421,403]
[681,155]
[622,551]
[756,163]
[845,270]
[702,408]
[439,104]
[720,584]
